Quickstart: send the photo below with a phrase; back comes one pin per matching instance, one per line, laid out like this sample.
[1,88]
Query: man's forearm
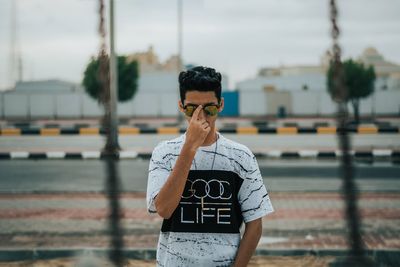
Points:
[170,194]
[249,242]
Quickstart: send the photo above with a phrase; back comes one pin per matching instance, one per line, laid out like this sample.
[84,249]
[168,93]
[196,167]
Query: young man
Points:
[205,185]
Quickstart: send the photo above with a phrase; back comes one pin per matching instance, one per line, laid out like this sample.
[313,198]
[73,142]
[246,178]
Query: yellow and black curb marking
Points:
[176,130]
[375,154]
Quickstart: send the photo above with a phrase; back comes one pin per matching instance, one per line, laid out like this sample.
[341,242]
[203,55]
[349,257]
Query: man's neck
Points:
[211,138]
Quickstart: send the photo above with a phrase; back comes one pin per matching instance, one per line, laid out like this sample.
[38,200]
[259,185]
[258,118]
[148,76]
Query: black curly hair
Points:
[202,79]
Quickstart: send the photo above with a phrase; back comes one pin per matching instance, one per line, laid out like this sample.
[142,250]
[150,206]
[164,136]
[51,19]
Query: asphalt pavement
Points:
[279,176]
[146,143]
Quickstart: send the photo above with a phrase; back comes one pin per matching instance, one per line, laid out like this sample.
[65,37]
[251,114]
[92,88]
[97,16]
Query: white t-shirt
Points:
[204,229]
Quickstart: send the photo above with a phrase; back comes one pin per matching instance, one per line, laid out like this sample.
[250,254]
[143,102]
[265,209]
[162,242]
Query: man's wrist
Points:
[189,148]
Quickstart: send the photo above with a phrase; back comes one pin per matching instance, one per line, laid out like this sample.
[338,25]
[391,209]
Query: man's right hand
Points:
[197,131]
[170,194]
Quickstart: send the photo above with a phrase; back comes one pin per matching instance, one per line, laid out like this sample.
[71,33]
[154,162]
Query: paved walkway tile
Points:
[302,220]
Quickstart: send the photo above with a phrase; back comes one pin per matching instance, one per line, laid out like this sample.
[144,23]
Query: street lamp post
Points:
[180,48]
[180,61]
[112,141]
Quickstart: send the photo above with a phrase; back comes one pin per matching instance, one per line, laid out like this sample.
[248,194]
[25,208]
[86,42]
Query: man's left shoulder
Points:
[238,149]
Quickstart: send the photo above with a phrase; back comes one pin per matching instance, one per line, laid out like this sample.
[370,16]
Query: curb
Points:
[380,255]
[83,130]
[49,253]
[375,154]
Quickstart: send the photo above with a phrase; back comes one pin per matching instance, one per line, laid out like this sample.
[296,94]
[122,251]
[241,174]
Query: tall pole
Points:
[13,45]
[180,47]
[108,76]
[113,142]
[20,67]
[17,44]
[356,257]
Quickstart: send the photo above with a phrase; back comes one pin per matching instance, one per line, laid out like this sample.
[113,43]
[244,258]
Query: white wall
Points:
[314,81]
[365,106]
[146,104]
[387,102]
[69,105]
[16,105]
[305,103]
[153,104]
[169,105]
[326,106]
[1,105]
[252,103]
[42,106]
[125,109]
[90,107]
[312,103]
[160,81]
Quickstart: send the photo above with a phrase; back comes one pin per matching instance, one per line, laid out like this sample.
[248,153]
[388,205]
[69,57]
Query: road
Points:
[89,176]
[145,143]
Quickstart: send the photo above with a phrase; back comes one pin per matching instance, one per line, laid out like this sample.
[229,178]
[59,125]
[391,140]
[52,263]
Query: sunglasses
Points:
[210,109]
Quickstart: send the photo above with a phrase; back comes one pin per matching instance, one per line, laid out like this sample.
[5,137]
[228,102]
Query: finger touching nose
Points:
[202,114]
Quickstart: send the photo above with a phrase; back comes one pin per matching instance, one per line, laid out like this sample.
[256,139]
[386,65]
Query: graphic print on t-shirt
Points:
[208,204]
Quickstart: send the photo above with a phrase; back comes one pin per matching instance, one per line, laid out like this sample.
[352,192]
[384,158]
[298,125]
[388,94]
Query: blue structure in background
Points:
[231,105]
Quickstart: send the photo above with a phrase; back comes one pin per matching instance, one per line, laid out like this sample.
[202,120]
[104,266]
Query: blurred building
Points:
[47,86]
[301,90]
[157,94]
[155,75]
[286,90]
[149,62]
[387,73]
[288,78]
[298,78]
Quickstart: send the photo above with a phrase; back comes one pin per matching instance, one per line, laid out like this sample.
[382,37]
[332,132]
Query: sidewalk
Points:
[305,221]
[256,261]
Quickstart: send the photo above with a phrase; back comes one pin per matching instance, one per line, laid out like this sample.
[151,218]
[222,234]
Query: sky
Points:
[58,37]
